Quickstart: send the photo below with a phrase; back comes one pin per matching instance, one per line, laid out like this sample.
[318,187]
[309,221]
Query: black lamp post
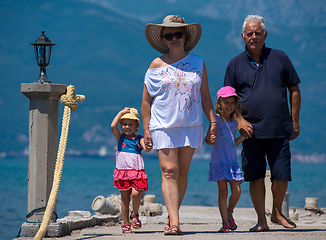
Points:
[42,48]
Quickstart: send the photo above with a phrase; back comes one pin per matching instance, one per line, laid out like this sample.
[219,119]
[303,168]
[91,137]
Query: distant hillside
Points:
[101,49]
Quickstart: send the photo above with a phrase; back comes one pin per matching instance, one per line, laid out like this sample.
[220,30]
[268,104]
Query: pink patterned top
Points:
[129,161]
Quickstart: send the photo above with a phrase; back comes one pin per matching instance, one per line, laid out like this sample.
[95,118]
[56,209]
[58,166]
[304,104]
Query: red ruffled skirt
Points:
[125,179]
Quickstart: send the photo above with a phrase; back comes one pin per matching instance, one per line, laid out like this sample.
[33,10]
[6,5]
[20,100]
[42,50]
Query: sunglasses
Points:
[177,35]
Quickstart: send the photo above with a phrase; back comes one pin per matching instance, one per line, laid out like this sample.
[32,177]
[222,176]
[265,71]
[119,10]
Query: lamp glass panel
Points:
[42,54]
[47,54]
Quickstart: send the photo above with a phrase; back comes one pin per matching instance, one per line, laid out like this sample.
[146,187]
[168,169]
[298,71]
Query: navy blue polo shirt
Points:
[263,91]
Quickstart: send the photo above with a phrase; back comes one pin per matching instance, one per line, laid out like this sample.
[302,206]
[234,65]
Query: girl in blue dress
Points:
[129,175]
[224,166]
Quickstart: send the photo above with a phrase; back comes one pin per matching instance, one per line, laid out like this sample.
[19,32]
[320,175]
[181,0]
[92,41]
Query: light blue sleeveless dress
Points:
[224,164]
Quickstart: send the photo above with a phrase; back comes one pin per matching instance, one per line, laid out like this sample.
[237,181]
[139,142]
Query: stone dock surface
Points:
[203,223]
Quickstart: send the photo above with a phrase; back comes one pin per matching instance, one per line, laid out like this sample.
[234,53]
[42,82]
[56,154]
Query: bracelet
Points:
[213,122]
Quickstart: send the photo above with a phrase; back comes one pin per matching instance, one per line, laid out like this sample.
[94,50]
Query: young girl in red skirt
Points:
[129,175]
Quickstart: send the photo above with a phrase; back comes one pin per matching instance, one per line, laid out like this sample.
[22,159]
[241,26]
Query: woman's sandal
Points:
[232,223]
[224,229]
[167,225]
[173,230]
[136,223]
[126,228]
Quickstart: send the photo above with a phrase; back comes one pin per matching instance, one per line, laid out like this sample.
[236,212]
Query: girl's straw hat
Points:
[153,33]
[133,114]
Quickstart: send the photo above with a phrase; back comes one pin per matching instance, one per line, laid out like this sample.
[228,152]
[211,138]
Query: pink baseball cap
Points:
[227,91]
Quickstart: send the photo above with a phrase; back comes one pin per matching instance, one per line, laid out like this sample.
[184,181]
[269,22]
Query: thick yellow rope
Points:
[70,101]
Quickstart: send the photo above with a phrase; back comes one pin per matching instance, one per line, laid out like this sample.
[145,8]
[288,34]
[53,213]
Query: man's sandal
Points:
[136,223]
[224,229]
[173,230]
[232,223]
[126,228]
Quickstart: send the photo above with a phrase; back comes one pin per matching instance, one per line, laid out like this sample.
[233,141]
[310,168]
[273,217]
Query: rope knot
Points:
[70,99]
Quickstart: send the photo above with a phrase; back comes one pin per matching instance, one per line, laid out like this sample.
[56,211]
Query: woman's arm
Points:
[145,114]
[208,108]
[142,143]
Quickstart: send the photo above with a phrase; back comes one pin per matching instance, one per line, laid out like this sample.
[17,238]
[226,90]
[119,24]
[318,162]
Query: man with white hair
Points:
[262,77]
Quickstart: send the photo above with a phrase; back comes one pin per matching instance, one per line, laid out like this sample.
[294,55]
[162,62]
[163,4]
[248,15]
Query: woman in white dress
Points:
[174,97]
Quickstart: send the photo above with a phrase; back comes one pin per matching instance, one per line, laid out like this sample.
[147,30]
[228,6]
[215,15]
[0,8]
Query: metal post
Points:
[43,144]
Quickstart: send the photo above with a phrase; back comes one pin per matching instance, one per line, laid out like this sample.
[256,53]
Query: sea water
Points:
[85,178]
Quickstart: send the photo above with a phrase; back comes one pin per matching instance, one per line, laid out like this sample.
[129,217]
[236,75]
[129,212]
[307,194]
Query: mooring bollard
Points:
[311,205]
[269,195]
[103,205]
[155,209]
[294,216]
[285,205]
[148,199]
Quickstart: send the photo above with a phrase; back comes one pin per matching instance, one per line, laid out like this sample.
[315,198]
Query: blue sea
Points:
[85,178]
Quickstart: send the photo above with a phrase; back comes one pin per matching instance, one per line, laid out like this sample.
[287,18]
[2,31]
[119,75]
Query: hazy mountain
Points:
[101,49]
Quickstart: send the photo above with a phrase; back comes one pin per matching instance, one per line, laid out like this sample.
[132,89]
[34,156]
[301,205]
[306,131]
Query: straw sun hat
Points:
[154,38]
[133,114]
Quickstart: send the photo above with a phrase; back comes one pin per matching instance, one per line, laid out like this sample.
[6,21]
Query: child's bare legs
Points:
[233,200]
[222,200]
[136,198]
[235,195]
[125,200]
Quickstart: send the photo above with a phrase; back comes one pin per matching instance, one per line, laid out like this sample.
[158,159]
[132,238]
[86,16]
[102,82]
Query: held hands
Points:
[211,136]
[148,140]
[245,128]
[211,140]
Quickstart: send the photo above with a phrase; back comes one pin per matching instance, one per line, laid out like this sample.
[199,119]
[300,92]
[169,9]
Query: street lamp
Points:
[42,48]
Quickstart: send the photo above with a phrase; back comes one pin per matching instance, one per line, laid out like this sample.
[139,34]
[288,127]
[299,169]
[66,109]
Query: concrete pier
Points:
[203,223]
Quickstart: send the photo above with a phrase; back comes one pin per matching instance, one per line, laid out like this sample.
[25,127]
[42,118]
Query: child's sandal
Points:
[136,223]
[224,229]
[126,228]
[232,223]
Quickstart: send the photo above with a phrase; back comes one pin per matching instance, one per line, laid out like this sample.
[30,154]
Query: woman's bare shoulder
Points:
[157,63]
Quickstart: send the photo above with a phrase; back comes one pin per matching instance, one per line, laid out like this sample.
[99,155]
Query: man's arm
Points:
[245,128]
[295,104]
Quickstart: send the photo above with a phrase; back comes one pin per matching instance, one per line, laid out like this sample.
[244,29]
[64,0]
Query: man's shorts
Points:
[277,152]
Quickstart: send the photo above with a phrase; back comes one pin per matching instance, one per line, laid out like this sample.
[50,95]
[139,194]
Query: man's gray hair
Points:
[254,18]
